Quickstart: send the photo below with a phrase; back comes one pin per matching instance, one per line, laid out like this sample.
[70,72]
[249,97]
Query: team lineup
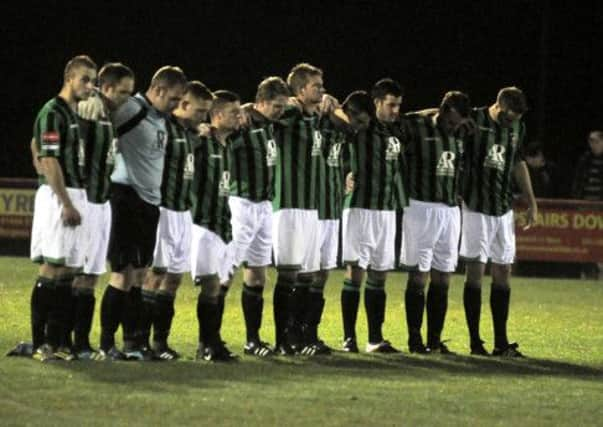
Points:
[182,179]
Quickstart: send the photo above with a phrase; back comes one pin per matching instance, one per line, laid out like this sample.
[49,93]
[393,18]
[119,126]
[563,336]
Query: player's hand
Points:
[467,127]
[70,216]
[531,215]
[328,104]
[349,183]
[92,108]
[204,129]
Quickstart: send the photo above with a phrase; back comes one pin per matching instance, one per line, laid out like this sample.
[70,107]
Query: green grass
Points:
[559,324]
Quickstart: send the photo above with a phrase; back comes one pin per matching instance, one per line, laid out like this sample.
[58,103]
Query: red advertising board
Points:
[16,207]
[566,230]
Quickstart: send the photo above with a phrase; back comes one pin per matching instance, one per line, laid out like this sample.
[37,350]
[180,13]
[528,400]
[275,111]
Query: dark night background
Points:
[551,51]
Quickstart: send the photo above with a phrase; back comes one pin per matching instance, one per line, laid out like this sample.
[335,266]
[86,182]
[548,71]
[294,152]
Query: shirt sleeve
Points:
[50,132]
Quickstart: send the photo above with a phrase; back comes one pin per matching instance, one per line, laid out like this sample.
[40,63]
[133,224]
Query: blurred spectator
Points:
[543,172]
[588,185]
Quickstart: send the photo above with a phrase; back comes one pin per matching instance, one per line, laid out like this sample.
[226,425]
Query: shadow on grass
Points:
[157,376]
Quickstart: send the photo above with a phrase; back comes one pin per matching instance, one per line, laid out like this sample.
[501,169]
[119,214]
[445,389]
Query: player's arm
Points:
[522,177]
[54,176]
[34,156]
[48,133]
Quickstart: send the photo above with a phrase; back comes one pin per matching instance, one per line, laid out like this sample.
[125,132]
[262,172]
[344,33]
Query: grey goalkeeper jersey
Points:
[142,134]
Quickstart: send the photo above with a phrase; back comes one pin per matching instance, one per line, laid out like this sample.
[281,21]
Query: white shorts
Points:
[430,236]
[210,255]
[251,231]
[51,241]
[97,229]
[488,237]
[295,239]
[173,242]
[329,243]
[369,238]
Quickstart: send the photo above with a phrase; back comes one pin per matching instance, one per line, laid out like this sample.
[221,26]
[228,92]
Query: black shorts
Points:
[133,229]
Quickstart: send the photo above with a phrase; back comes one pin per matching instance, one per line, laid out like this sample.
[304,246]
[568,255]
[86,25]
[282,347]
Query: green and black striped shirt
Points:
[434,159]
[211,187]
[57,133]
[376,160]
[490,158]
[335,133]
[101,146]
[254,157]
[179,167]
[299,145]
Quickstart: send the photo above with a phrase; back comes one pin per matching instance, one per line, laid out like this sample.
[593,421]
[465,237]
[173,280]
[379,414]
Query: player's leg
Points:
[475,250]
[445,258]
[83,292]
[472,302]
[350,301]
[414,302]
[356,257]
[328,243]
[437,306]
[503,255]
[382,226]
[500,296]
[163,315]
[252,302]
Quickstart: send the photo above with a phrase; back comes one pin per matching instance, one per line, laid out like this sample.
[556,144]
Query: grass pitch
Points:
[559,324]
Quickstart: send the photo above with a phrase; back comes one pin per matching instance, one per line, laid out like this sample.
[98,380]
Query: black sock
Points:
[414,302]
[208,317]
[221,303]
[253,305]
[374,304]
[316,304]
[59,314]
[148,309]
[500,297]
[130,320]
[112,307]
[42,295]
[298,305]
[84,312]
[472,300]
[437,304]
[164,314]
[70,315]
[280,305]
[350,300]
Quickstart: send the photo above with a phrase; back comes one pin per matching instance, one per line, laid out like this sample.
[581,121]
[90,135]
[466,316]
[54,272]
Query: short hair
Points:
[458,101]
[359,101]
[76,62]
[270,88]
[300,74]
[513,98]
[221,98]
[199,90]
[597,133]
[386,87]
[112,73]
[169,76]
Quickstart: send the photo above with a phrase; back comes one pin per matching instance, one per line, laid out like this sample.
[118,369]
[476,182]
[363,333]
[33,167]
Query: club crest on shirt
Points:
[393,149]
[316,143]
[445,166]
[334,155]
[189,167]
[112,152]
[224,187]
[271,153]
[81,153]
[495,158]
